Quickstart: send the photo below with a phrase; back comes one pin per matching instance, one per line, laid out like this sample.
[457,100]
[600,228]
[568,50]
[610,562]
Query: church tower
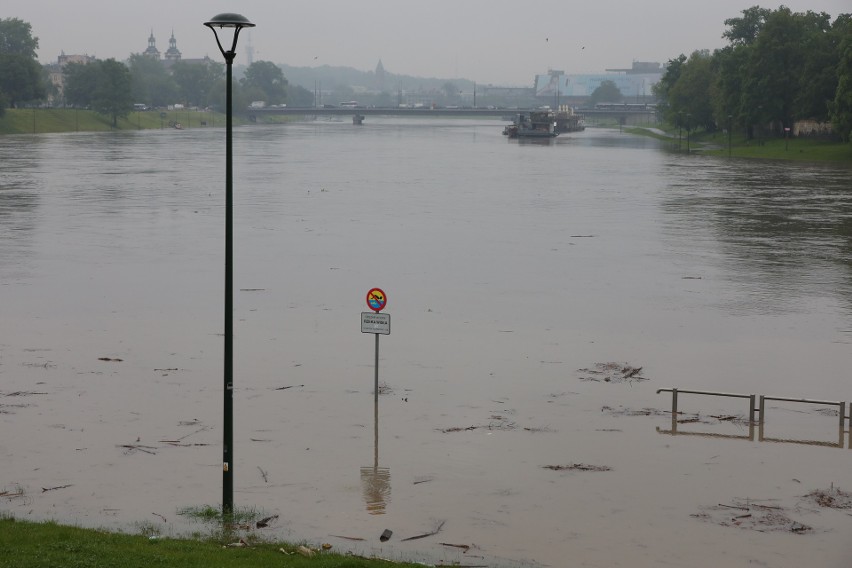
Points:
[380,77]
[173,54]
[152,50]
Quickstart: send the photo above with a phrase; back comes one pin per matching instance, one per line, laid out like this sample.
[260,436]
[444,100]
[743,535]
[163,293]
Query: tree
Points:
[150,82]
[16,38]
[841,106]
[20,79]
[664,86]
[744,31]
[607,92]
[265,81]
[20,73]
[113,96]
[81,80]
[196,81]
[690,96]
[816,82]
[105,86]
[299,96]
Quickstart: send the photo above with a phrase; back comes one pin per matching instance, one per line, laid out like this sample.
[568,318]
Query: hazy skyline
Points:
[500,43]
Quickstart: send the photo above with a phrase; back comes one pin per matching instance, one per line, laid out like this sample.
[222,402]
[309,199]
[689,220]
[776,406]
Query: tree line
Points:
[112,87]
[779,67]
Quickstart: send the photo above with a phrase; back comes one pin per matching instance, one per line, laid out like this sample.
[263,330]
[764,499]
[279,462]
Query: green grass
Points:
[25,544]
[716,144]
[48,120]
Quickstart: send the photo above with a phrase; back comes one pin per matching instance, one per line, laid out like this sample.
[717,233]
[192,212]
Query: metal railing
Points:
[761,413]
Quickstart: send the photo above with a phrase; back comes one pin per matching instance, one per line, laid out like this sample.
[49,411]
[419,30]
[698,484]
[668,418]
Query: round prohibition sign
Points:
[377,299]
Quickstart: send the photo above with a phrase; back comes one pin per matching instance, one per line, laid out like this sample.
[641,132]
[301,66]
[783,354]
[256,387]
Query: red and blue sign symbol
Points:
[377,299]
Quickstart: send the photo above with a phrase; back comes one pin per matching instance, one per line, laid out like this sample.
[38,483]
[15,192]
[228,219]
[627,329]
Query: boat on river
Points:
[568,121]
[535,124]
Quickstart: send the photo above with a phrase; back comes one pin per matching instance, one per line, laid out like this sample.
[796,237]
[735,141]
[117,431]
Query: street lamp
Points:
[730,118]
[679,128]
[237,22]
[688,116]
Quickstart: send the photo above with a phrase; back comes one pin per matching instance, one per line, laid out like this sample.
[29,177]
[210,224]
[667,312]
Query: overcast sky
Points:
[498,42]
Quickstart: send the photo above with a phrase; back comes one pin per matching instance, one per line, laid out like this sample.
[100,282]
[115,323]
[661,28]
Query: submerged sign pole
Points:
[378,324]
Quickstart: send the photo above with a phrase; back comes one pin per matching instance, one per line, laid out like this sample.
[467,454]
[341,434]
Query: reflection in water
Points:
[750,436]
[375,480]
[782,229]
[19,202]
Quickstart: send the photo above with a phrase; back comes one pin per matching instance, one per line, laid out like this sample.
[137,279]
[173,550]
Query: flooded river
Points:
[541,294]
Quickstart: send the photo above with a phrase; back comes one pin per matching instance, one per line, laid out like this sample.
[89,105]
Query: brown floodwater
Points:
[541,295]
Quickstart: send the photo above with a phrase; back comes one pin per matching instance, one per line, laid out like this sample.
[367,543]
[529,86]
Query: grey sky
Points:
[489,41]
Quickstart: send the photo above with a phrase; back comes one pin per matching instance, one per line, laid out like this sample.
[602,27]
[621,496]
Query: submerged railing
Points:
[760,411]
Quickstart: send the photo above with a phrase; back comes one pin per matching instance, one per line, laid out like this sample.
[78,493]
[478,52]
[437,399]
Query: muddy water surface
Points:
[515,274]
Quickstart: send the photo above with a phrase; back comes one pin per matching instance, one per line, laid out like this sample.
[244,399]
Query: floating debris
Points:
[46,489]
[832,498]
[23,393]
[263,523]
[578,467]
[133,448]
[18,491]
[424,535]
[464,547]
[756,517]
[357,538]
[622,411]
[612,373]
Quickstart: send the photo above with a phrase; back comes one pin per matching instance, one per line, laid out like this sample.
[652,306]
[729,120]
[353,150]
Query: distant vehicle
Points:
[349,104]
[625,106]
[140,106]
[258,104]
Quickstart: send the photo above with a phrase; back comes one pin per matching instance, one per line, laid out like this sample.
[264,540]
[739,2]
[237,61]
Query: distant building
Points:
[172,53]
[56,74]
[635,83]
[640,68]
[380,77]
[152,50]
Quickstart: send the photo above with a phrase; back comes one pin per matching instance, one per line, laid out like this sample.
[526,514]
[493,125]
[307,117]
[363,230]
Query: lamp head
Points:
[228,20]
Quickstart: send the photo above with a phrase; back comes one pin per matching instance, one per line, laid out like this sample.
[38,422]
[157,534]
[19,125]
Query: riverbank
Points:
[43,545]
[57,120]
[717,144]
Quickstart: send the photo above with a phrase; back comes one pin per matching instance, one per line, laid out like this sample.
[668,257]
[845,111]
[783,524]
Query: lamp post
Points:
[679,128]
[237,22]
[730,118]
[688,116]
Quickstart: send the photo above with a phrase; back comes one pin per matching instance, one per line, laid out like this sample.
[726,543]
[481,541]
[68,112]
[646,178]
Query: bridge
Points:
[624,116]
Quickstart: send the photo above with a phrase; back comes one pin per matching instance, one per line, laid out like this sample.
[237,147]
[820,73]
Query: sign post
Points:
[376,323]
